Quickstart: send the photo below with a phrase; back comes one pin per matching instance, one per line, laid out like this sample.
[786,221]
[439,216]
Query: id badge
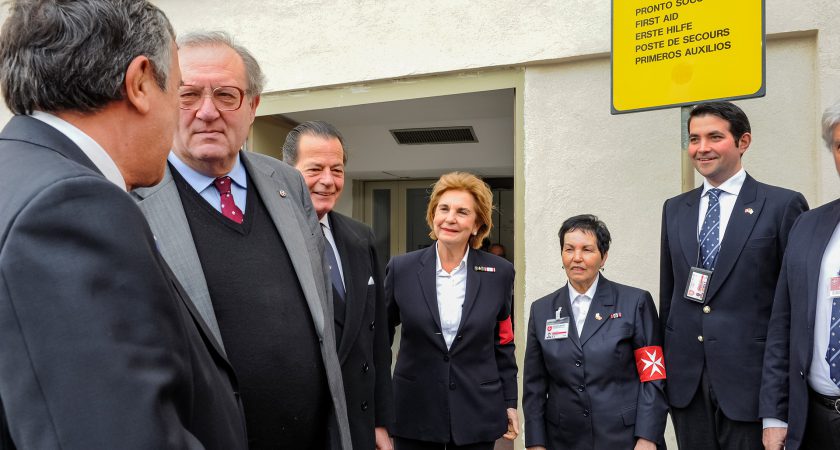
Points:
[698,281]
[557,328]
[834,287]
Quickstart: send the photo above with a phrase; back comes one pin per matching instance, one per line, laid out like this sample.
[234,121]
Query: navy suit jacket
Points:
[100,346]
[364,350]
[790,339]
[462,393]
[727,332]
[583,392]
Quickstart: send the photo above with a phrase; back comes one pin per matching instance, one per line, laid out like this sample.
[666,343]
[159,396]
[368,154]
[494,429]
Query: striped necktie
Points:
[710,232]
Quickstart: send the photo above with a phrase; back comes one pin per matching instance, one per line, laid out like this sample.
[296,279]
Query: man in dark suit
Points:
[316,149]
[800,393]
[722,248]
[240,233]
[100,349]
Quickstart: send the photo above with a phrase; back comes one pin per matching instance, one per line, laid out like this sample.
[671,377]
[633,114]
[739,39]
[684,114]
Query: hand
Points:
[773,438]
[644,444]
[513,425]
[383,441]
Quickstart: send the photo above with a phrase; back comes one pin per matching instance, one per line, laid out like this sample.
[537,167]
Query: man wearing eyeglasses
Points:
[240,233]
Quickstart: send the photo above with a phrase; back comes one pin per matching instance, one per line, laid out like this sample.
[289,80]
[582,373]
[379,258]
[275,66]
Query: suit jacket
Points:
[790,339]
[583,392]
[727,332]
[363,346]
[100,347]
[461,393]
[287,200]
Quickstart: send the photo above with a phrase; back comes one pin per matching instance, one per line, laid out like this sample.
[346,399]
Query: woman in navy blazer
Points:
[455,378]
[602,387]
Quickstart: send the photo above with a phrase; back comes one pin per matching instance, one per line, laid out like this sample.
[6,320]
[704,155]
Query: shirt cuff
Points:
[770,422]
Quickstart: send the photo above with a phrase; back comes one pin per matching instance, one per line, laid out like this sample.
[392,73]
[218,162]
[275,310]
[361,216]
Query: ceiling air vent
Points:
[443,135]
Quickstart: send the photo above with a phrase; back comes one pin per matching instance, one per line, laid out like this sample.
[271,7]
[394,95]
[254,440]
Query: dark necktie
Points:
[832,355]
[335,275]
[229,208]
[710,232]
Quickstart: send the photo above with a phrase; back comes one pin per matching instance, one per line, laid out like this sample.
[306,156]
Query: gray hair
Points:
[256,79]
[313,128]
[72,55]
[830,119]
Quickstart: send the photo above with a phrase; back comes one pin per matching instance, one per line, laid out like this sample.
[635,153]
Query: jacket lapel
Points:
[427,278]
[273,194]
[737,232]
[161,204]
[602,306]
[687,223]
[355,281]
[473,284]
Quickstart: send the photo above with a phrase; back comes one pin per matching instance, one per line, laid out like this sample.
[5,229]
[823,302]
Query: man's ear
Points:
[744,142]
[139,83]
[253,105]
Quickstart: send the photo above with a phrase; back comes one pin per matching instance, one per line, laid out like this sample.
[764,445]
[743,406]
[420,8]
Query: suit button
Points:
[578,363]
[707,309]
[452,386]
[700,338]
[372,325]
[446,358]
[585,413]
[365,367]
[364,406]
[581,388]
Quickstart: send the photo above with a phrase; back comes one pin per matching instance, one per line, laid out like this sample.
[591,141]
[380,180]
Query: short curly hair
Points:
[481,193]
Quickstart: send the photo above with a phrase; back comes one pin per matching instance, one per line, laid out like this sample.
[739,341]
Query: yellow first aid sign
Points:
[680,52]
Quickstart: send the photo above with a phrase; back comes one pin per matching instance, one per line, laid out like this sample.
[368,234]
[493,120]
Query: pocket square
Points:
[370,281]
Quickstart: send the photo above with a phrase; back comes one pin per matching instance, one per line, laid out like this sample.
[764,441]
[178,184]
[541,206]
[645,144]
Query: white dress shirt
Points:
[581,303]
[818,377]
[731,188]
[205,187]
[100,158]
[325,227]
[451,292]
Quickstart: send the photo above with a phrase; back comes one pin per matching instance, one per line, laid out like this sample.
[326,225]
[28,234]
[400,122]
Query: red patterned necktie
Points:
[229,208]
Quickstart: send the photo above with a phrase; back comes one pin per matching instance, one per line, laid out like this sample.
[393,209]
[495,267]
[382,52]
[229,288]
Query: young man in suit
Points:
[800,390]
[100,348]
[316,149]
[722,248]
[240,233]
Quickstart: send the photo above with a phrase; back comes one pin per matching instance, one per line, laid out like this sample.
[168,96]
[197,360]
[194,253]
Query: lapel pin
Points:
[749,211]
[282,193]
[615,315]
[598,316]
[484,269]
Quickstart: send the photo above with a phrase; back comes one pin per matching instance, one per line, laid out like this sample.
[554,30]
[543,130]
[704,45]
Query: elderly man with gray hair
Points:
[100,347]
[240,232]
[800,389]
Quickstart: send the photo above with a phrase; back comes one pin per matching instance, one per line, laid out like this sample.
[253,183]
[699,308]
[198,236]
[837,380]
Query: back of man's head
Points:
[63,55]
[731,113]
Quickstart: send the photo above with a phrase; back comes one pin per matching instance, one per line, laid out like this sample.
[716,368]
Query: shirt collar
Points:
[200,182]
[98,156]
[731,186]
[439,267]
[573,294]
[325,221]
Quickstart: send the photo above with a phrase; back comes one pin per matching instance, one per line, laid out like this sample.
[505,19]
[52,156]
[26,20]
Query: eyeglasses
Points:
[225,98]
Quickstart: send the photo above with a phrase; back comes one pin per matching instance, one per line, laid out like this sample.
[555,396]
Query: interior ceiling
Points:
[366,129]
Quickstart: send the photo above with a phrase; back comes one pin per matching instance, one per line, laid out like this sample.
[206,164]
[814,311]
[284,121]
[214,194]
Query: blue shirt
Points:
[204,184]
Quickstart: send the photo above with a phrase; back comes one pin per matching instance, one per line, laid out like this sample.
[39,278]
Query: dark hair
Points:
[588,224]
[314,128]
[253,72]
[72,55]
[738,121]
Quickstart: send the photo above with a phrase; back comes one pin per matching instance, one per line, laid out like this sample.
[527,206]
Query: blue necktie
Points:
[335,275]
[710,232]
[833,353]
